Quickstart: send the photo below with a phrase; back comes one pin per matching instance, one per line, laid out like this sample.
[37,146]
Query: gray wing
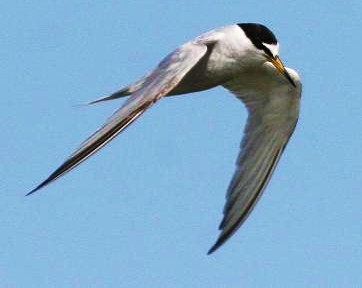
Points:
[269,127]
[164,78]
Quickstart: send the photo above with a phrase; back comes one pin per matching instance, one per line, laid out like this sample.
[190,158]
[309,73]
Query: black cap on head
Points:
[258,34]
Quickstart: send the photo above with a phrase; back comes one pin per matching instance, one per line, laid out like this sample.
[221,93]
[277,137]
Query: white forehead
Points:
[274,48]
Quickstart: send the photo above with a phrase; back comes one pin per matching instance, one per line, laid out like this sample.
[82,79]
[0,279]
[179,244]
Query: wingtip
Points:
[118,94]
[211,250]
[34,190]
[214,247]
[93,102]
[41,185]
[220,241]
[31,192]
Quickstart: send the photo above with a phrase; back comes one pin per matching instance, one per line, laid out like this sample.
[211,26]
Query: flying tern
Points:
[243,58]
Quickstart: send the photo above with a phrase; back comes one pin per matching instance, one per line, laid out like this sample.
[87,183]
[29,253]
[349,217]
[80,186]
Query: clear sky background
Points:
[144,211]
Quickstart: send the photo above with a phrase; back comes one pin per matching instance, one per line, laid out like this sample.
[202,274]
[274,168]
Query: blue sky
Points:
[144,211]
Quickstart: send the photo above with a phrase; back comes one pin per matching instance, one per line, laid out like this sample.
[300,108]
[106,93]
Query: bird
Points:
[244,59]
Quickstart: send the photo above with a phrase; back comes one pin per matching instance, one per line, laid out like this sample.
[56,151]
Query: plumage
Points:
[273,115]
[244,59]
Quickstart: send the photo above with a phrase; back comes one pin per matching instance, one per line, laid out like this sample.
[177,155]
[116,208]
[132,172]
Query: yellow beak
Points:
[281,69]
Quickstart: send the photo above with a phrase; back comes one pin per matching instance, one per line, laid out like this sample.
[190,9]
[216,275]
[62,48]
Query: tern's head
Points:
[266,46]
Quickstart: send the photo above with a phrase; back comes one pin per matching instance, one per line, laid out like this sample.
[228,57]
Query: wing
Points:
[270,124]
[164,78]
[208,39]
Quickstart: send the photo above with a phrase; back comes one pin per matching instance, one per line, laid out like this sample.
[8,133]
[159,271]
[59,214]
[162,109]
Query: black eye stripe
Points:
[267,51]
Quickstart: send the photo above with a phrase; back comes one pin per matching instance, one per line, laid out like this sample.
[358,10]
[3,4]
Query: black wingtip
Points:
[211,250]
[216,246]
[224,236]
[32,191]
[35,189]
[41,185]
